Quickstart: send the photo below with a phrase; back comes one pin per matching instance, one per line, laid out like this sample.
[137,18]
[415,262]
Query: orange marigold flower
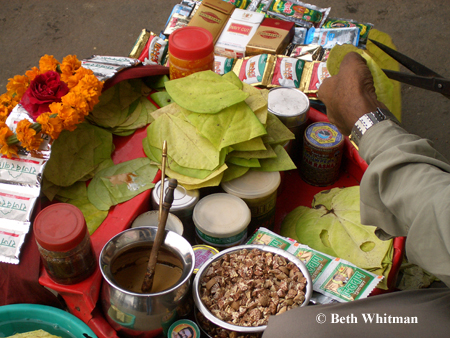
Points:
[67,114]
[50,124]
[69,66]
[27,136]
[91,88]
[4,112]
[6,149]
[81,72]
[18,85]
[77,101]
[48,62]
[32,73]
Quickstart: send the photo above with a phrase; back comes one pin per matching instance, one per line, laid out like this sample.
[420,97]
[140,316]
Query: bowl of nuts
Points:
[240,287]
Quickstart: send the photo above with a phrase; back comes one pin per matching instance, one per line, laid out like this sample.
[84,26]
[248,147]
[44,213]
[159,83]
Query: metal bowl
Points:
[264,248]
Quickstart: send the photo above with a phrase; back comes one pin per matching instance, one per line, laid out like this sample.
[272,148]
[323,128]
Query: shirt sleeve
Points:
[405,191]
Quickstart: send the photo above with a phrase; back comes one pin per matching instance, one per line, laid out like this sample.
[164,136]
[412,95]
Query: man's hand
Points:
[350,94]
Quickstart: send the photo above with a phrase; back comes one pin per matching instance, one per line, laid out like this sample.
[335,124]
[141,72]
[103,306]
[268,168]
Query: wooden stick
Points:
[163,176]
[159,238]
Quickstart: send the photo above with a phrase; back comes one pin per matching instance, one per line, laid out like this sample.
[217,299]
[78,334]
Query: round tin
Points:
[221,220]
[151,218]
[202,253]
[184,328]
[322,154]
[259,190]
[290,105]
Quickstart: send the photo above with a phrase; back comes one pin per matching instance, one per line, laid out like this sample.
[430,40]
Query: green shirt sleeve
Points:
[405,191]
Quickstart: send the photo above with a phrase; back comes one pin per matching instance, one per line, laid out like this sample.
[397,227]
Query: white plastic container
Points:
[221,220]
[259,190]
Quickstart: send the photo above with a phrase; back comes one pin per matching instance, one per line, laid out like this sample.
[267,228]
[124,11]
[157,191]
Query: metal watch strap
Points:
[365,122]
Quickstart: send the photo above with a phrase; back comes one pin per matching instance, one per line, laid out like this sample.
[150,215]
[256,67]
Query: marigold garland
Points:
[83,95]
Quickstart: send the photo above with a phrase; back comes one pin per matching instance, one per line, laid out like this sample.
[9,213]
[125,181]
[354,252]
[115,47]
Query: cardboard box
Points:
[271,37]
[238,31]
[213,16]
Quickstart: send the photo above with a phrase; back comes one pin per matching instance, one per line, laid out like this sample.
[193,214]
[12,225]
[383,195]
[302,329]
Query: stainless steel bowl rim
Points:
[155,294]
[266,248]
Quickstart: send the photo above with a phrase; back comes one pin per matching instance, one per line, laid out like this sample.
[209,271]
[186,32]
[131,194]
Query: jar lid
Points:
[290,105]
[182,198]
[191,43]
[324,134]
[59,227]
[221,215]
[189,327]
[202,253]
[253,184]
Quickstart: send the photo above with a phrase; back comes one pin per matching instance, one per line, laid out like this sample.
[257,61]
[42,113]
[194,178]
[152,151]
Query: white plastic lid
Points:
[182,198]
[253,184]
[221,215]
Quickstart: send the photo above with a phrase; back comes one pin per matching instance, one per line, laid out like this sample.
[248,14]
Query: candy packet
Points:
[140,43]
[223,65]
[254,70]
[313,75]
[155,50]
[286,72]
[299,35]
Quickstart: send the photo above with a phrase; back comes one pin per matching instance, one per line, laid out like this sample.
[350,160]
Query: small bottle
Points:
[191,50]
[64,243]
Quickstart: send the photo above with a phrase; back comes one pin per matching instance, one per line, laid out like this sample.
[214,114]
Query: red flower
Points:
[43,90]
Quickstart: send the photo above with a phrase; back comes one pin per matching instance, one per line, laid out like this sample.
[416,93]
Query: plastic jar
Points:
[191,50]
[64,243]
[221,220]
[259,190]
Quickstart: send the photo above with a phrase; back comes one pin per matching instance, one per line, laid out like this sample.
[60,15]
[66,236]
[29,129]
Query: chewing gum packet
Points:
[155,50]
[286,72]
[332,277]
[301,13]
[330,37]
[364,28]
[313,75]
[255,70]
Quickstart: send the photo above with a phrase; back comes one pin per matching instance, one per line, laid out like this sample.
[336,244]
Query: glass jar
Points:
[191,50]
[64,243]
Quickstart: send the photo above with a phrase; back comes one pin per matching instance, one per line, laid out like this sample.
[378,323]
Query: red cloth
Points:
[19,282]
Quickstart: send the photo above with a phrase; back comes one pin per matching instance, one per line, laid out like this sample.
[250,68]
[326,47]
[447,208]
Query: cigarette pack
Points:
[271,37]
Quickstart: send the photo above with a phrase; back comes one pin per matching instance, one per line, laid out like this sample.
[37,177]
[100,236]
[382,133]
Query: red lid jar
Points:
[64,243]
[191,50]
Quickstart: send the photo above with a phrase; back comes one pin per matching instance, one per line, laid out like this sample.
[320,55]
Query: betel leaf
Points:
[282,162]
[332,226]
[121,182]
[185,146]
[77,153]
[232,125]
[161,98]
[204,92]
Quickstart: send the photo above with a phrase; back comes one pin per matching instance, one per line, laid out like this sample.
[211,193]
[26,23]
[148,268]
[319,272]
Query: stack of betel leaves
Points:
[217,128]
[83,155]
[333,226]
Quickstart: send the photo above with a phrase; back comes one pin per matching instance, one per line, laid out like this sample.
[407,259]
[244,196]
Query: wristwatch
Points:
[367,121]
